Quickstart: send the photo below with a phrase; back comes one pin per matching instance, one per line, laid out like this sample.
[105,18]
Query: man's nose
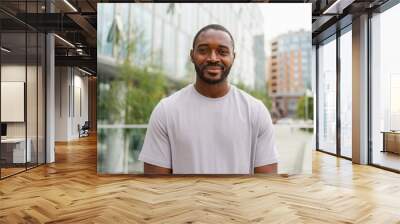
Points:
[213,57]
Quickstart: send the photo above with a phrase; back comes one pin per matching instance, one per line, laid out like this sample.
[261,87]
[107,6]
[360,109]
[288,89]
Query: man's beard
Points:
[200,73]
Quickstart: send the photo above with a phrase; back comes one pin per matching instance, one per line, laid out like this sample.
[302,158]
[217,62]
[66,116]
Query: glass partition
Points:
[31,98]
[41,109]
[22,86]
[327,96]
[14,153]
[346,94]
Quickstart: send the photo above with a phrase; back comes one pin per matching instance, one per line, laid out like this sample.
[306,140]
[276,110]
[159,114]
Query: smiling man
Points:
[210,127]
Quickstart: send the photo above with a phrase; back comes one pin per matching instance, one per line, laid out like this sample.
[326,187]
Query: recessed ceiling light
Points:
[338,6]
[70,5]
[5,50]
[64,40]
[86,72]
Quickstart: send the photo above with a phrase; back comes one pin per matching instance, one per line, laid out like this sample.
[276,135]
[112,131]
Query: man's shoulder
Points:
[176,97]
[180,93]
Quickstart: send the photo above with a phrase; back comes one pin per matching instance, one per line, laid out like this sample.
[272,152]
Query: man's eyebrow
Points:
[223,46]
[202,45]
[206,45]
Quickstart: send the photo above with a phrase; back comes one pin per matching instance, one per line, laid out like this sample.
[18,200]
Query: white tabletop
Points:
[13,140]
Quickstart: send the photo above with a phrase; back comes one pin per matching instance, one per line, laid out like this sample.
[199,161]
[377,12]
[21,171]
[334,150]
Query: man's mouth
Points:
[213,68]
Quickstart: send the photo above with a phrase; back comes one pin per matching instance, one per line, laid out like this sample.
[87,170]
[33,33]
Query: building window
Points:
[346,94]
[385,89]
[327,97]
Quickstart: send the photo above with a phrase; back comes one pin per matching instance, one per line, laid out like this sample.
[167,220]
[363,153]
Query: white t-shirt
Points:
[194,134]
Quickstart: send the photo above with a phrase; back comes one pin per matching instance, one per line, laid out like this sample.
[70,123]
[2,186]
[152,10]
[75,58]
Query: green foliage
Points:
[109,104]
[144,89]
[132,95]
[302,110]
[259,94]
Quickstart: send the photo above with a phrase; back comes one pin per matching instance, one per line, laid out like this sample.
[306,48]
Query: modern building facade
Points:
[289,72]
[260,63]
[166,33]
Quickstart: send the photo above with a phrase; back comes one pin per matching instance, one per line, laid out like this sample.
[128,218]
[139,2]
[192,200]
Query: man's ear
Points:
[234,56]
[191,55]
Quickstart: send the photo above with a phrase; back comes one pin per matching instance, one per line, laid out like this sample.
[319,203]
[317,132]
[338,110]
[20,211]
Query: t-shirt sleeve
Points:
[156,148]
[265,149]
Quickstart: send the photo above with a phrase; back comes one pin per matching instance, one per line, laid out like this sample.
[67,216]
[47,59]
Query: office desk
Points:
[391,141]
[13,150]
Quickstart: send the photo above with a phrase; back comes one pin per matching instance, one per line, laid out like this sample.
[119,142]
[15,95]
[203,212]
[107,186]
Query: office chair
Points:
[84,130]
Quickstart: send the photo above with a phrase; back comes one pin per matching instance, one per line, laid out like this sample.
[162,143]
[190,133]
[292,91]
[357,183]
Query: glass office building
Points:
[164,34]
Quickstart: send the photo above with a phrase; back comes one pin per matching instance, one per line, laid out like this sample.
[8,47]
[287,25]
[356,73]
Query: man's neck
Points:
[212,90]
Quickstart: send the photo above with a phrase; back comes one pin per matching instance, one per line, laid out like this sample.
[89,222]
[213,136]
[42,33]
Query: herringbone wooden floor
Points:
[70,191]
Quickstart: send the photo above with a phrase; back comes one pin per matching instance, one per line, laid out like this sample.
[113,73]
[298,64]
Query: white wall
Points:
[70,84]
[62,81]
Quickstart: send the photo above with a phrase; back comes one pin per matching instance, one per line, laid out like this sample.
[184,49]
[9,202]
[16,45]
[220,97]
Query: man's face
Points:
[213,56]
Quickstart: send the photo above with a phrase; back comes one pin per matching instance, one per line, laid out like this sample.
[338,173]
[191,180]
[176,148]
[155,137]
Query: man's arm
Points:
[270,168]
[152,169]
[156,151]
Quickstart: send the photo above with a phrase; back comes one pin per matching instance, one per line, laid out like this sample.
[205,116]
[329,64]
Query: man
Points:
[210,127]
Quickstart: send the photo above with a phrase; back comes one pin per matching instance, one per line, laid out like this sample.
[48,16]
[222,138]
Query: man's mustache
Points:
[214,65]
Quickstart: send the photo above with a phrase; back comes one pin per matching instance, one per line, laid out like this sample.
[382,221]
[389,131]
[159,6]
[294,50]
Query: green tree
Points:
[259,94]
[130,95]
[305,108]
[144,89]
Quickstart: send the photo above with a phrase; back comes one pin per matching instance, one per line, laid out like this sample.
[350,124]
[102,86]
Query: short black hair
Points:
[214,27]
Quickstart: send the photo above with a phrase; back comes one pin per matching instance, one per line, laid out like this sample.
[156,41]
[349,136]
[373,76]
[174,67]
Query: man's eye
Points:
[223,52]
[202,50]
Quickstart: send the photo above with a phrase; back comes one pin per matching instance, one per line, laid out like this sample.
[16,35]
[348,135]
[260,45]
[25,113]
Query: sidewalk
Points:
[294,148]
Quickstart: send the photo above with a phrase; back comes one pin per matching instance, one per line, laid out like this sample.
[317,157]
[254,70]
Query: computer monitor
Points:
[3,129]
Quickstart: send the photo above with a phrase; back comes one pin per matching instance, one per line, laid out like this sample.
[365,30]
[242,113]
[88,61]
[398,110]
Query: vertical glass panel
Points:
[13,86]
[105,46]
[327,96]
[183,58]
[32,86]
[122,18]
[169,58]
[346,94]
[41,98]
[385,86]
[31,97]
[157,42]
